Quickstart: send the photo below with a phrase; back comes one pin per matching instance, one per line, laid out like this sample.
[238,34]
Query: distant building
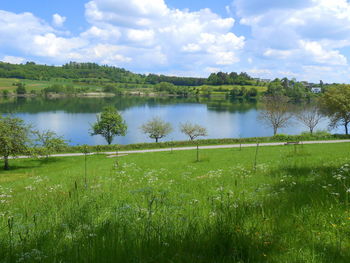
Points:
[265,80]
[316,90]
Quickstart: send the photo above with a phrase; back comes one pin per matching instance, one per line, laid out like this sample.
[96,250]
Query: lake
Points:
[72,117]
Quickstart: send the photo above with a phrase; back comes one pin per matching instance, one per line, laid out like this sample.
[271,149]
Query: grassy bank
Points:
[204,142]
[272,204]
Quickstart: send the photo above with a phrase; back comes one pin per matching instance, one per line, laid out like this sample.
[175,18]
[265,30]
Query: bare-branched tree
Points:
[276,112]
[310,117]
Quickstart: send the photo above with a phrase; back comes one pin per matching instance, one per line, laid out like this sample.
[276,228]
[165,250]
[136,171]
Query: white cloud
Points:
[144,37]
[58,20]
[105,33]
[290,35]
[13,60]
[175,37]
[294,38]
[212,70]
[322,56]
[147,33]
[132,13]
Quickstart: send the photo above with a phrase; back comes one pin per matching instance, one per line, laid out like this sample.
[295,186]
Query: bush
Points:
[253,92]
[111,89]
[21,89]
[5,93]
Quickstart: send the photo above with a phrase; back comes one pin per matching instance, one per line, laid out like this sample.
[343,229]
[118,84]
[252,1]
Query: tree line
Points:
[98,73]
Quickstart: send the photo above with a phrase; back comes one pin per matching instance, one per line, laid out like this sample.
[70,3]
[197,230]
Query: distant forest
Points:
[78,71]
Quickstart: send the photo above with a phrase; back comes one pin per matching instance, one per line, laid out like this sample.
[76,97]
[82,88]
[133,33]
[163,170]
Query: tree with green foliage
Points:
[335,102]
[112,89]
[275,88]
[5,93]
[21,88]
[48,142]
[276,112]
[234,92]
[298,92]
[14,138]
[156,128]
[165,86]
[109,124]
[252,93]
[242,91]
[193,130]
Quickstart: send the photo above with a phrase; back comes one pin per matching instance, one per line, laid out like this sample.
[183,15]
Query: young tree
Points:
[336,104]
[48,142]
[310,117]
[109,124]
[276,113]
[193,130]
[21,88]
[156,128]
[14,138]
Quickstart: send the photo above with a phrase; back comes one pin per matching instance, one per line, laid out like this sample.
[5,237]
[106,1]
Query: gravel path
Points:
[193,148]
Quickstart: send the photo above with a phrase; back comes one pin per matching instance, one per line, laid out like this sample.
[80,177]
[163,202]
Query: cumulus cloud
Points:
[58,20]
[297,33]
[168,37]
[13,59]
[294,38]
[143,35]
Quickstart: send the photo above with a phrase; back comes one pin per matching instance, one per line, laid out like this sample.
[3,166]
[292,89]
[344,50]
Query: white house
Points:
[316,90]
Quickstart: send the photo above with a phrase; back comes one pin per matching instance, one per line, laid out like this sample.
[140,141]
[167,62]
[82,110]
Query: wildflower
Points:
[29,188]
[220,189]
[212,214]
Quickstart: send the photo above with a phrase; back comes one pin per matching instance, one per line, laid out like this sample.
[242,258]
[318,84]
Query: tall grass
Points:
[292,206]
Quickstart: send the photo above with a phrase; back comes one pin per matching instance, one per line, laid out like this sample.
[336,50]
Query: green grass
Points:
[317,136]
[38,85]
[167,207]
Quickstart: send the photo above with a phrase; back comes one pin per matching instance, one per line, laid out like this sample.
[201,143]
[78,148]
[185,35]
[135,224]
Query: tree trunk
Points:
[274,131]
[311,130]
[156,139]
[6,163]
[346,129]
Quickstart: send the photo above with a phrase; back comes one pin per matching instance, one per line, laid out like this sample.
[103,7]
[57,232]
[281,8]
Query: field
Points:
[37,85]
[267,204]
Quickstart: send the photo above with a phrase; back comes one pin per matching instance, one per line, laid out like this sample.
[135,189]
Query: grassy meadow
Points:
[266,204]
[38,85]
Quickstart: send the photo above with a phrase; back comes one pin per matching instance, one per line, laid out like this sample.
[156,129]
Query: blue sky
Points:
[302,39]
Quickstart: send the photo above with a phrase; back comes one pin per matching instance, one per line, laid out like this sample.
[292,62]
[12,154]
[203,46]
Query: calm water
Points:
[72,117]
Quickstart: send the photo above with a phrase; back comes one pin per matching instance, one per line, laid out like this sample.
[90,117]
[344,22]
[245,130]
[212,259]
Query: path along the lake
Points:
[193,148]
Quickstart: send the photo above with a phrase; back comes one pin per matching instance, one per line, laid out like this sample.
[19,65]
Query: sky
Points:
[303,39]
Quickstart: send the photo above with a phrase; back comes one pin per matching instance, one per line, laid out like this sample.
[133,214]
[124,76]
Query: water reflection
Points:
[72,117]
